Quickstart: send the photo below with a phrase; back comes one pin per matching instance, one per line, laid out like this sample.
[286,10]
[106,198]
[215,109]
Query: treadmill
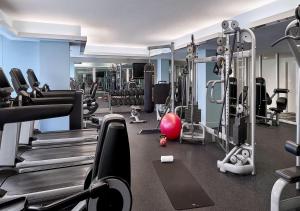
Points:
[112,157]
[24,158]
[75,135]
[91,99]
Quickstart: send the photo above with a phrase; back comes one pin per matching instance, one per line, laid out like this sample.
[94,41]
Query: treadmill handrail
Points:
[29,113]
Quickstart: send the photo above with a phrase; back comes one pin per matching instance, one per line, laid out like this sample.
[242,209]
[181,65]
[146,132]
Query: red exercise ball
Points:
[170,126]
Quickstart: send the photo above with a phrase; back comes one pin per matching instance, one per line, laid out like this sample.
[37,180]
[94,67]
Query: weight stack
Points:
[148,73]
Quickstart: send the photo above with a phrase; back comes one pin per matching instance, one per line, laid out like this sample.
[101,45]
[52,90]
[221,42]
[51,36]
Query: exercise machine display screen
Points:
[32,75]
[3,80]
[138,70]
[21,77]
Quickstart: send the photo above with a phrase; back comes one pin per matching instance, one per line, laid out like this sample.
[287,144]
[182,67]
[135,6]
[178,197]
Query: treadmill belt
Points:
[67,134]
[60,152]
[45,180]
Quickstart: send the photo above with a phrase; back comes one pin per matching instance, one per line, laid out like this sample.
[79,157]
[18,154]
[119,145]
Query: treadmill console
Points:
[5,88]
[18,80]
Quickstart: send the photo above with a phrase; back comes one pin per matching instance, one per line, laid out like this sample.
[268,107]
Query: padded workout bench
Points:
[287,176]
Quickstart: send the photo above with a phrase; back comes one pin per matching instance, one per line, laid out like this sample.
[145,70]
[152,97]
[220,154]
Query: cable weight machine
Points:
[236,130]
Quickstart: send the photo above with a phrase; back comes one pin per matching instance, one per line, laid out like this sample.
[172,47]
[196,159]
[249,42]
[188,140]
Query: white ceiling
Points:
[132,23]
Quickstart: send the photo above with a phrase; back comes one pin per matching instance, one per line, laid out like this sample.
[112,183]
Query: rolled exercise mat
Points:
[180,185]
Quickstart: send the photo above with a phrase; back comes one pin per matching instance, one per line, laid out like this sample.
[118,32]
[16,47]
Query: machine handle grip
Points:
[292,148]
[212,84]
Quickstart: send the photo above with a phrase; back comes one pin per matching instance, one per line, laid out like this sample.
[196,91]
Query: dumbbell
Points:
[131,92]
[125,101]
[141,91]
[132,101]
[137,101]
[128,101]
[113,101]
[140,101]
[120,102]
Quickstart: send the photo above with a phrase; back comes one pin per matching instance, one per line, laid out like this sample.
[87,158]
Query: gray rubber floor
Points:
[228,191]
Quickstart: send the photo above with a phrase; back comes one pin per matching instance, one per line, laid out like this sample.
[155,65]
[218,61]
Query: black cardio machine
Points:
[103,185]
[76,133]
[90,104]
[24,158]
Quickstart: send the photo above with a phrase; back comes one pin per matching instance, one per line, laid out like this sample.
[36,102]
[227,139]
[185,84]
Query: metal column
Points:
[94,74]
[277,71]
[260,66]
[172,78]
[252,85]
[287,82]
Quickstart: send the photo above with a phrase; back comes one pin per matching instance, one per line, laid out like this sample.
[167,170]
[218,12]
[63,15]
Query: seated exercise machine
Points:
[90,104]
[41,186]
[263,99]
[75,135]
[25,157]
[290,175]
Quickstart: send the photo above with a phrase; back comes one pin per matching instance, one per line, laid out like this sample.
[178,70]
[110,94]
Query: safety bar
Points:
[161,47]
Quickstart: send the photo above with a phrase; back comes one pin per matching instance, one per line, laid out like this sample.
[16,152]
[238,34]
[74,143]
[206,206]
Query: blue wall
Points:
[49,60]
[18,54]
[55,71]
[163,68]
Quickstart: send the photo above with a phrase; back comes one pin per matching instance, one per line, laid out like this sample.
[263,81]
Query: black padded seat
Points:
[281,104]
[291,175]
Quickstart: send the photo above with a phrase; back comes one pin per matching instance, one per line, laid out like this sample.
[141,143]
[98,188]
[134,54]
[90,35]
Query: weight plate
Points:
[225,25]
[246,37]
[234,24]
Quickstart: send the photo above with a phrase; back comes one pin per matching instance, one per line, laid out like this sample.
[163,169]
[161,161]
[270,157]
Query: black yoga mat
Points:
[182,188]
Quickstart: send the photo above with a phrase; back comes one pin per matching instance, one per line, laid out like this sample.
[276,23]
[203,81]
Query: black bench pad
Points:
[291,175]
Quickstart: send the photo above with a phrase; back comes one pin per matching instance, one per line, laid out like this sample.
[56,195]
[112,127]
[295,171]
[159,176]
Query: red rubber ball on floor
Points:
[170,126]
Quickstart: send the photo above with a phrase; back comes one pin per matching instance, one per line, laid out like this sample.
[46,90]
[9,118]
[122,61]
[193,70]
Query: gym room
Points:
[149,105]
